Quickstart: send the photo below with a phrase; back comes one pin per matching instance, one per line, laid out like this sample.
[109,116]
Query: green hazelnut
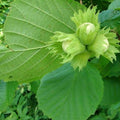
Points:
[86,32]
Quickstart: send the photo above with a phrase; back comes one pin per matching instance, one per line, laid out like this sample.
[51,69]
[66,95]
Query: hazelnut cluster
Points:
[87,42]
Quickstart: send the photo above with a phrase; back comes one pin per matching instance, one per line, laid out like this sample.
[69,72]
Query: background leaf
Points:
[112,69]
[34,86]
[101,4]
[99,117]
[28,27]
[111,91]
[114,5]
[110,18]
[7,93]
[66,94]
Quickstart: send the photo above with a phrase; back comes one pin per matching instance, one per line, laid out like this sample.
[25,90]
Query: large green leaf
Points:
[66,94]
[28,27]
[111,91]
[7,92]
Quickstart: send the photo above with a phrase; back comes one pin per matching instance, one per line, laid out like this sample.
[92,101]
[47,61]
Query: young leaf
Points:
[66,94]
[28,27]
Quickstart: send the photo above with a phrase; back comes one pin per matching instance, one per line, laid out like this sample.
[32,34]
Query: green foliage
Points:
[108,113]
[110,18]
[112,69]
[4,8]
[62,93]
[6,94]
[23,107]
[114,5]
[111,91]
[101,4]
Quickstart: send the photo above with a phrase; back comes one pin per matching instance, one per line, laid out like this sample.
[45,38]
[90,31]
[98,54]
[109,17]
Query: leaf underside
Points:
[28,27]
